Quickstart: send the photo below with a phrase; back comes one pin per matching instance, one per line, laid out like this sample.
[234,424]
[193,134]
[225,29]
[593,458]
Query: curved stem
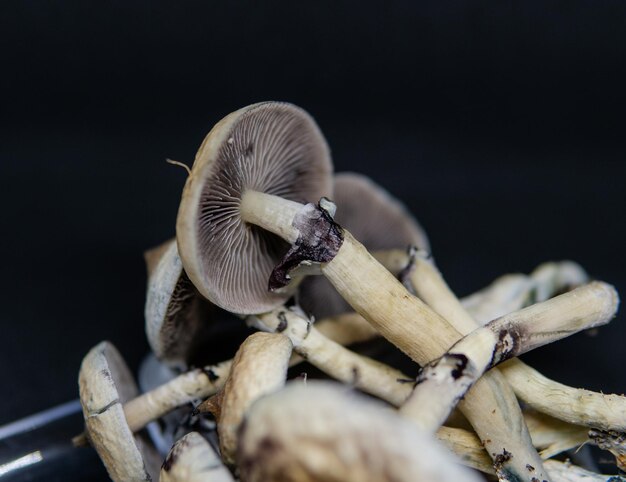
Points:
[364,373]
[573,405]
[442,383]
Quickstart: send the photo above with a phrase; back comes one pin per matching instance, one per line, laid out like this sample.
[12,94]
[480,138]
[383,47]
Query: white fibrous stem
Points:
[442,383]
[362,372]
[550,278]
[193,385]
[514,291]
[506,294]
[413,327]
[576,406]
[573,405]
[271,213]
[553,436]
[259,368]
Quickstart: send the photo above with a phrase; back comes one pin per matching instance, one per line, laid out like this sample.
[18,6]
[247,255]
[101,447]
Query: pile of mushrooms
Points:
[277,256]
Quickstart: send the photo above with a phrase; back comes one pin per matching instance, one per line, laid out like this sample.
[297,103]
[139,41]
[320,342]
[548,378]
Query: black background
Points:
[501,126]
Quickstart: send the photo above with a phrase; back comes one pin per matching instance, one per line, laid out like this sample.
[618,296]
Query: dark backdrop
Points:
[500,125]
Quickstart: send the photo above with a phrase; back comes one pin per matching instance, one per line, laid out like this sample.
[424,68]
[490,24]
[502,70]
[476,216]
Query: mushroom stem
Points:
[192,385]
[467,446]
[333,359]
[405,321]
[573,405]
[442,383]
[271,213]
[553,436]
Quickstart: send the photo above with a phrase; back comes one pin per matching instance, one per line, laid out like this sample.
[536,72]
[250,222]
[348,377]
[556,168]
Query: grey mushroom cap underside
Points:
[377,220]
[105,384]
[180,323]
[275,148]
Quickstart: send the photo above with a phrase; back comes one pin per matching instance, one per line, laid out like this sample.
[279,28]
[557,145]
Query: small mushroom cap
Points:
[192,459]
[377,220]
[259,367]
[272,147]
[180,323]
[171,320]
[323,431]
[105,384]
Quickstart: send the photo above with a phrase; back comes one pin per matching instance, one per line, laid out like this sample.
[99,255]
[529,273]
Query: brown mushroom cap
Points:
[105,384]
[180,323]
[272,147]
[377,220]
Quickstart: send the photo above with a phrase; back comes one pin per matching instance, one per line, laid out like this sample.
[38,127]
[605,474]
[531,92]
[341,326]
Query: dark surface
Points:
[500,126]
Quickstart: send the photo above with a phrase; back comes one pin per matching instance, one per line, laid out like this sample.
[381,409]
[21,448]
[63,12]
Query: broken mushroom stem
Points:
[573,405]
[442,383]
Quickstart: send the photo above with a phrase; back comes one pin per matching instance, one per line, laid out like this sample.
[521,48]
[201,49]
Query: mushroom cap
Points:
[180,323]
[192,459]
[105,384]
[373,216]
[259,367]
[377,220]
[324,431]
[272,147]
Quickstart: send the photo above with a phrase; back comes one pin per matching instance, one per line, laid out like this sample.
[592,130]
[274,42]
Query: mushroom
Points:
[259,368]
[180,323]
[106,383]
[270,148]
[507,293]
[192,459]
[227,195]
[444,382]
[323,431]
[376,219]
